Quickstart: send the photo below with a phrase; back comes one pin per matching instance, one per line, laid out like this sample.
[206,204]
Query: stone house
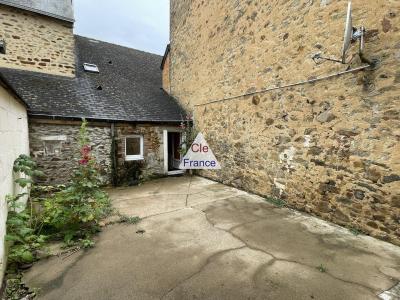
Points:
[328,147]
[122,100]
[134,123]
[51,79]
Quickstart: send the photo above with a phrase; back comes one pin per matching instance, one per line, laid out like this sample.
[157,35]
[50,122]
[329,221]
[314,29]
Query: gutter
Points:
[114,164]
[79,118]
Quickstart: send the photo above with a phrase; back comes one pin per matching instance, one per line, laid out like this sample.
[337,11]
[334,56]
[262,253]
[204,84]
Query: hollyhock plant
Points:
[83,162]
[85,153]
[76,211]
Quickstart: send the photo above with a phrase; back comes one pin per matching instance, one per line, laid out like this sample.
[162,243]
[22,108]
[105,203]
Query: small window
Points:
[134,147]
[91,68]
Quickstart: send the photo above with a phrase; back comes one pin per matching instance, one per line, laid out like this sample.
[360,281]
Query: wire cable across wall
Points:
[288,85]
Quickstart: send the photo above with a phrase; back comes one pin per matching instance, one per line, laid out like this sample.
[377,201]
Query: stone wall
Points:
[153,163]
[165,75]
[13,142]
[54,145]
[330,148]
[36,42]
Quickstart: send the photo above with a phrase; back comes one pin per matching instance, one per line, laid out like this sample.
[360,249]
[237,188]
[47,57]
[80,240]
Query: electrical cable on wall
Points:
[351,35]
[288,85]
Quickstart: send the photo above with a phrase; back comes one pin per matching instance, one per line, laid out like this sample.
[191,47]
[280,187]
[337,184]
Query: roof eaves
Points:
[52,116]
[10,87]
[38,11]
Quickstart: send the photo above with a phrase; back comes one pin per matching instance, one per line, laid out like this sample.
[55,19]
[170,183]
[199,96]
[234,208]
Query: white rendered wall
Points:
[13,142]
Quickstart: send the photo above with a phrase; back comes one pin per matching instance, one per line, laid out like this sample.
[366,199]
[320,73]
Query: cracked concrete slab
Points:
[294,237]
[150,205]
[204,240]
[127,265]
[236,268]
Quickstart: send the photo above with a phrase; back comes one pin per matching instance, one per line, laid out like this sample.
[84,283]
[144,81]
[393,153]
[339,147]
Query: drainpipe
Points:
[114,166]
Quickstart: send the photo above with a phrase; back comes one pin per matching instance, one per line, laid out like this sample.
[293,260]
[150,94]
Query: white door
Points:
[172,154]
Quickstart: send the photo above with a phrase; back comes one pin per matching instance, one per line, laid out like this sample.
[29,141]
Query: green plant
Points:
[21,225]
[129,220]
[28,167]
[87,243]
[24,241]
[276,201]
[322,269]
[131,173]
[354,231]
[71,213]
[15,288]
[189,134]
[74,212]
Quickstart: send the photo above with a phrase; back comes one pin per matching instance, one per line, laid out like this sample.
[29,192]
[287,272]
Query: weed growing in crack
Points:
[276,201]
[354,231]
[129,220]
[322,269]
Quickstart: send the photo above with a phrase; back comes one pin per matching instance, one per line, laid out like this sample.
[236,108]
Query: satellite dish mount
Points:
[351,35]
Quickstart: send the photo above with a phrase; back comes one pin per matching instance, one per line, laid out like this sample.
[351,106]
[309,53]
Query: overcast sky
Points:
[139,24]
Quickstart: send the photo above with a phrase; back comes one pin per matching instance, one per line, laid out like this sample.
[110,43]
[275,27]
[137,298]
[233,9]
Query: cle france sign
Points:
[199,156]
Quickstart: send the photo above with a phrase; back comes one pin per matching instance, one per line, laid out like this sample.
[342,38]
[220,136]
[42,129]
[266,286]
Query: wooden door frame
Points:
[165,140]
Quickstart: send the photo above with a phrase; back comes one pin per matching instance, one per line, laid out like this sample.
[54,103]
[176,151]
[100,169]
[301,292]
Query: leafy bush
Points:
[71,212]
[28,167]
[15,288]
[21,228]
[75,211]
[21,234]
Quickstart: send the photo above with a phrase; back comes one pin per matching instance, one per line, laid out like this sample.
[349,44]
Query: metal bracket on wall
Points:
[2,46]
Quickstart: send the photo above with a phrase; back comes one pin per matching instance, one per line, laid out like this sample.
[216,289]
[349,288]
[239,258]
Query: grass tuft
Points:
[129,220]
[354,231]
[322,269]
[276,201]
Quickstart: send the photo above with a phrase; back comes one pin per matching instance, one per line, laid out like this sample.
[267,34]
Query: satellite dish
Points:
[351,34]
[348,33]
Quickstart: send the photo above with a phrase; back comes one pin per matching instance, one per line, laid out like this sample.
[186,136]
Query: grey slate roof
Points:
[128,87]
[59,9]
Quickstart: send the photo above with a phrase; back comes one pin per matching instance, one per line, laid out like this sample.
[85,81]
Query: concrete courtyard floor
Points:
[202,240]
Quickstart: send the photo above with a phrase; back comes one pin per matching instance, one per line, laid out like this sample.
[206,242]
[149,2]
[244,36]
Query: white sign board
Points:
[199,156]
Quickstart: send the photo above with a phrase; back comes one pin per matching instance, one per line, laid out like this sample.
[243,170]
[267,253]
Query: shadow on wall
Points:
[130,173]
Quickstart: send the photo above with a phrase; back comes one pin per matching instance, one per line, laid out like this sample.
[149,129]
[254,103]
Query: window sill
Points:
[130,158]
